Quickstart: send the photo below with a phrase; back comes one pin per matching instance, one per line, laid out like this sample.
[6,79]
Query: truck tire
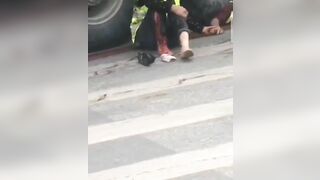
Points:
[109,24]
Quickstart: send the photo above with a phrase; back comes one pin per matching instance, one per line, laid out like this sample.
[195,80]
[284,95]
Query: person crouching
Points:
[164,27]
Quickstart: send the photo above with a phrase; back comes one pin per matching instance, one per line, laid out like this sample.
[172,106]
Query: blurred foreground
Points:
[43,109]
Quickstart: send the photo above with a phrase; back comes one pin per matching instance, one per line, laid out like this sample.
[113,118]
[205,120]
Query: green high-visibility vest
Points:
[138,22]
[177,2]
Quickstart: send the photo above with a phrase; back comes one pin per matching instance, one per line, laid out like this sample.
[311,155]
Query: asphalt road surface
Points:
[166,121]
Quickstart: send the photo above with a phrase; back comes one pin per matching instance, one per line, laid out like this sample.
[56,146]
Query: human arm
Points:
[223,15]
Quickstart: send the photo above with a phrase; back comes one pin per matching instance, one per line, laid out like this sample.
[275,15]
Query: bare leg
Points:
[184,41]
[186,52]
[162,41]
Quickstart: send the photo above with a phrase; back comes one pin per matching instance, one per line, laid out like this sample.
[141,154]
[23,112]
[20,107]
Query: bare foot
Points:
[186,54]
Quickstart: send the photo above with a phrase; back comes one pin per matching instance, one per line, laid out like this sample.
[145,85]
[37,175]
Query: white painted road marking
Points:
[171,166]
[146,124]
[124,92]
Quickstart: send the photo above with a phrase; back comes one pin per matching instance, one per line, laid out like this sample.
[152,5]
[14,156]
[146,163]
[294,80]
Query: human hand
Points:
[212,30]
[180,11]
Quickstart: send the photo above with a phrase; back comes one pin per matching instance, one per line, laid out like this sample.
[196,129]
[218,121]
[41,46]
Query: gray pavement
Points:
[217,174]
[126,155]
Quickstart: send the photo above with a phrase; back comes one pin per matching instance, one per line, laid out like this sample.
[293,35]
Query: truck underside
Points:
[109,21]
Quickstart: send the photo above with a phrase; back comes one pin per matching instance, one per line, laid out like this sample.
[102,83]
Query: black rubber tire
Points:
[114,32]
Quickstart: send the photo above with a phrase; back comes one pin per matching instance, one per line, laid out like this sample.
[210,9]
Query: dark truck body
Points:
[109,21]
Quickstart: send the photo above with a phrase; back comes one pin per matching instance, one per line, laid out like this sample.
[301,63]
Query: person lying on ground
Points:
[164,27]
[207,16]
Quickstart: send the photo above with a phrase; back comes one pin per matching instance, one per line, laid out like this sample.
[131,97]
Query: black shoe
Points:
[146,59]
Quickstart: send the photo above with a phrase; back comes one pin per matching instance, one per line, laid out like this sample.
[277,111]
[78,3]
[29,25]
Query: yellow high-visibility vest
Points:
[138,23]
[177,2]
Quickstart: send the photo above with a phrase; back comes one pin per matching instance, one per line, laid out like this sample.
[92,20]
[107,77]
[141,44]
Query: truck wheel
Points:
[108,23]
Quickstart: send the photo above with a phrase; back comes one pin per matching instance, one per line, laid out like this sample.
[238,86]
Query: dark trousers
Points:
[204,10]
[172,26]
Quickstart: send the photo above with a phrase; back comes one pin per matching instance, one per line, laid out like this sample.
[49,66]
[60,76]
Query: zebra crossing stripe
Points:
[151,123]
[172,166]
